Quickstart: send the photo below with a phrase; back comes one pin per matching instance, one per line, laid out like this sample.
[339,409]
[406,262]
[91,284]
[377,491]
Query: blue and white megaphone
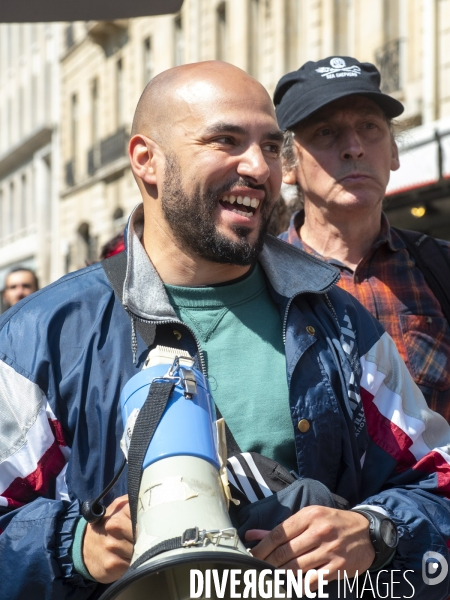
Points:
[184,531]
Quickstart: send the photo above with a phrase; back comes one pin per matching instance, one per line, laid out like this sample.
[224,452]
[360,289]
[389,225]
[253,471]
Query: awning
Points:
[31,11]
[424,157]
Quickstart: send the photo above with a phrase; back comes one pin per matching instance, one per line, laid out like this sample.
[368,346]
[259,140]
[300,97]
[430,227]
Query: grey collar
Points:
[289,270]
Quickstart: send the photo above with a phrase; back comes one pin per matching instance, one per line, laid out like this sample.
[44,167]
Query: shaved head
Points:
[205,153]
[171,92]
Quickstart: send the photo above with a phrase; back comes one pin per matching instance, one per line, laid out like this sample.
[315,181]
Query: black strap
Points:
[115,268]
[189,538]
[144,428]
[164,546]
[432,262]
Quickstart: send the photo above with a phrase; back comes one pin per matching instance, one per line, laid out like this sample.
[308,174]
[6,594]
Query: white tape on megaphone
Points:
[182,506]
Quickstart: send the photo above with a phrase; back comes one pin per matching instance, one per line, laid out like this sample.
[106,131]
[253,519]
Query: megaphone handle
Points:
[94,510]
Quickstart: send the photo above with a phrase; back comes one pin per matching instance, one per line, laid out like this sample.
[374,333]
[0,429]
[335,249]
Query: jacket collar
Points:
[290,272]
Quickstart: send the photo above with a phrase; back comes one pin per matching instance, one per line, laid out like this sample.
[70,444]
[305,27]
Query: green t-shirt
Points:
[240,332]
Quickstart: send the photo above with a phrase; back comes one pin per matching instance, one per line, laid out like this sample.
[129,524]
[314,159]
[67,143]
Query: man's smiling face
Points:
[222,171]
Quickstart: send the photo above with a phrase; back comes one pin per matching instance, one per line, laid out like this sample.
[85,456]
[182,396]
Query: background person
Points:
[339,151]
[113,246]
[19,283]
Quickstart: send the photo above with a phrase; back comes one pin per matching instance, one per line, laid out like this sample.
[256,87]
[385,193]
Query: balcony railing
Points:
[113,147]
[107,151]
[387,59]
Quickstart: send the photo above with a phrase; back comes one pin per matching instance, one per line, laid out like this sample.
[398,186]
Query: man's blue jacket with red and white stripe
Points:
[65,354]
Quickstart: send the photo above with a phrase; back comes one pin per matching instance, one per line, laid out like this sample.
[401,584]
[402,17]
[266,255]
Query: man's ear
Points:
[290,176]
[395,160]
[145,155]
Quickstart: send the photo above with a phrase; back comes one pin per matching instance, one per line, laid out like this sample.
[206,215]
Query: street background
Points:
[68,93]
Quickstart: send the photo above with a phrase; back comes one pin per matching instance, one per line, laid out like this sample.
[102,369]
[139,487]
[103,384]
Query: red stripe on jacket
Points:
[37,483]
[393,440]
[386,434]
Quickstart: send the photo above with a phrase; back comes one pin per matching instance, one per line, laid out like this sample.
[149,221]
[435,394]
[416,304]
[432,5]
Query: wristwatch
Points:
[383,535]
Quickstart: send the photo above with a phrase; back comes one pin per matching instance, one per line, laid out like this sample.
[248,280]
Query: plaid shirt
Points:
[388,283]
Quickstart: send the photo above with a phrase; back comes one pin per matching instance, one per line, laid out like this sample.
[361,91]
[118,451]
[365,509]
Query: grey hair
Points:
[288,156]
[291,194]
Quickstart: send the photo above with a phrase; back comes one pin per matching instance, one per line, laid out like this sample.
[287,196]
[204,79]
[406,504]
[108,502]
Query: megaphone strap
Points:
[144,428]
[191,537]
[164,546]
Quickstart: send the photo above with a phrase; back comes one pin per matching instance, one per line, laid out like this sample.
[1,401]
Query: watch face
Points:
[389,533]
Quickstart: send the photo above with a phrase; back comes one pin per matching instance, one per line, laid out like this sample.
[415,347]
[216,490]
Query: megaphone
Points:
[186,545]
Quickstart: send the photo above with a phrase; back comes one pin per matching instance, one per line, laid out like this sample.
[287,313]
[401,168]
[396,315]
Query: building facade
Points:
[29,148]
[102,68]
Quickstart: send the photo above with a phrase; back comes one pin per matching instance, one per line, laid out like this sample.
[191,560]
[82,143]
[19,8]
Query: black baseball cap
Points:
[315,84]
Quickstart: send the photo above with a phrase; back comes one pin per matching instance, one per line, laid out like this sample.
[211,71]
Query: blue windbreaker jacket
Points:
[65,355]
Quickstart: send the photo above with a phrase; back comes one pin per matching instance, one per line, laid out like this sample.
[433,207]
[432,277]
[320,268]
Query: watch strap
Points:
[383,553]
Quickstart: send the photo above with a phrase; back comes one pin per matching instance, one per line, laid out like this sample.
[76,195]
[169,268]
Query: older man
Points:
[340,150]
[302,373]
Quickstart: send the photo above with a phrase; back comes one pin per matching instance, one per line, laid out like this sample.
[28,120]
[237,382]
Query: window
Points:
[21,34]
[390,20]
[2,217]
[23,202]
[9,121]
[9,45]
[74,129]
[34,100]
[255,38]
[48,89]
[118,214]
[179,41]
[21,111]
[70,37]
[341,27]
[120,94]
[86,245]
[292,35]
[387,56]
[119,220]
[11,208]
[34,27]
[148,60]
[95,112]
[222,37]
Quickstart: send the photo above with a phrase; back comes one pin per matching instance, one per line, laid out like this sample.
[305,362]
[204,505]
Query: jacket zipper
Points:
[199,350]
[286,317]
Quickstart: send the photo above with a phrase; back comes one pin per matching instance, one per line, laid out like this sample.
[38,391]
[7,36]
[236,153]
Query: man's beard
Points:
[192,222]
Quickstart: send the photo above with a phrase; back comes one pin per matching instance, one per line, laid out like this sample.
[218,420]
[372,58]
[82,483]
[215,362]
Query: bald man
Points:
[302,374]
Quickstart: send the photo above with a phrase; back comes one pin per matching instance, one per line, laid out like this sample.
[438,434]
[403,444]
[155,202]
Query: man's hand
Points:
[108,544]
[317,537]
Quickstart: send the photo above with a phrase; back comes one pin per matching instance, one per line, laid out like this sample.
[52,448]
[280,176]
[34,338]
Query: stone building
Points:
[29,148]
[103,67]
